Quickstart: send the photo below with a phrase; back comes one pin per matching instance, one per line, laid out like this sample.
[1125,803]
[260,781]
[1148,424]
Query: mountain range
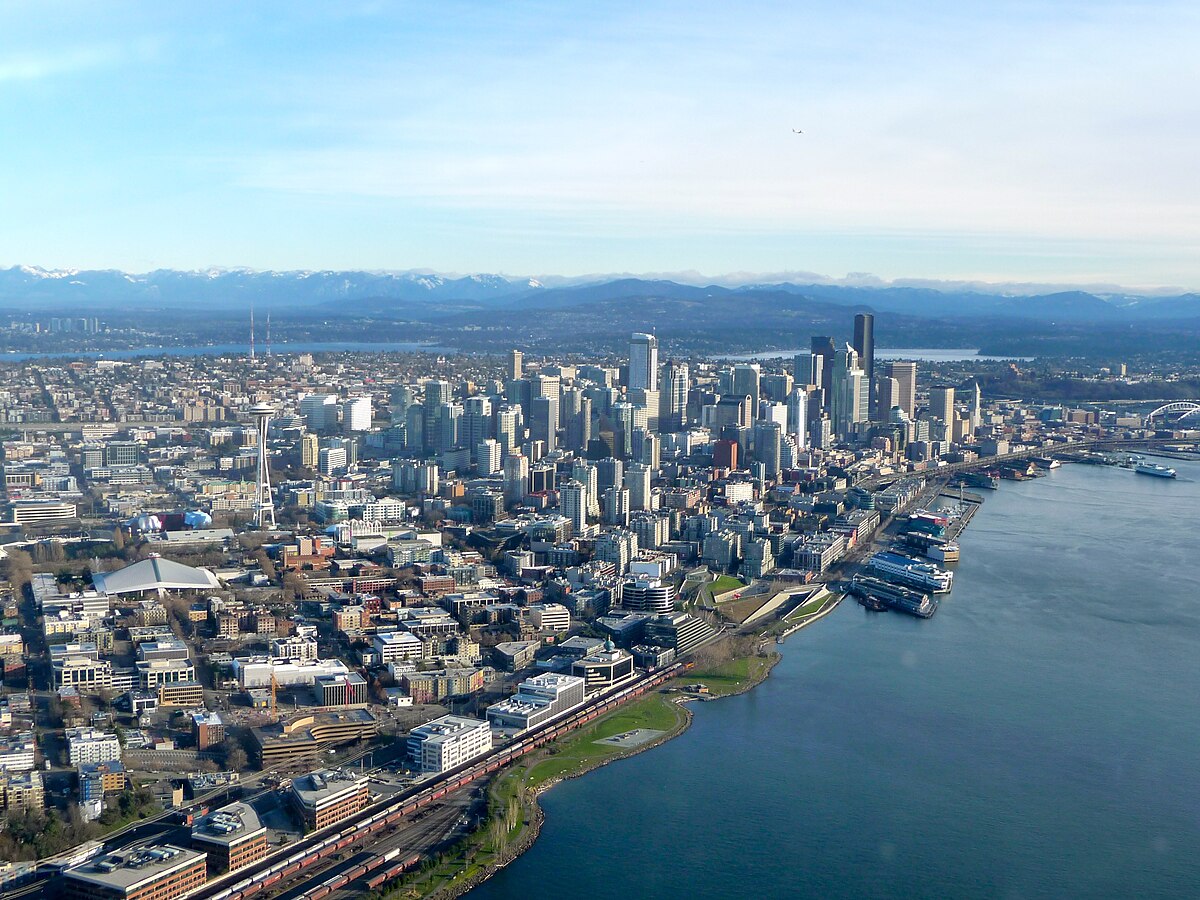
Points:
[428,296]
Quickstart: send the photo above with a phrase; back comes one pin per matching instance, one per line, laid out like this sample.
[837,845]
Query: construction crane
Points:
[274,691]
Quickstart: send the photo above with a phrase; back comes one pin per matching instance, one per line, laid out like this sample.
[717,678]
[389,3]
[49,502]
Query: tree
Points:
[235,755]
[19,568]
[118,539]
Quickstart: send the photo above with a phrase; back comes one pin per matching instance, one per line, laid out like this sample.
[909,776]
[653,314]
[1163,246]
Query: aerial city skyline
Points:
[643,449]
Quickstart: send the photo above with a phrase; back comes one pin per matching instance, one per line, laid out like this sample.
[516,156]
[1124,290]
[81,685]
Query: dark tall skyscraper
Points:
[864,344]
[823,347]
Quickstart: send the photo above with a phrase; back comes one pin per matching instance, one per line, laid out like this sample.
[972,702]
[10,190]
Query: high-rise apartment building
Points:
[356,414]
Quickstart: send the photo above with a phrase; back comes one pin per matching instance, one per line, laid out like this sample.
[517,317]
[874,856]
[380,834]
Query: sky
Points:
[997,141]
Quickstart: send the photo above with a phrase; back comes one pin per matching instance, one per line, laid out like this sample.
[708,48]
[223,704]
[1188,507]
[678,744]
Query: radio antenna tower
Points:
[264,504]
[252,333]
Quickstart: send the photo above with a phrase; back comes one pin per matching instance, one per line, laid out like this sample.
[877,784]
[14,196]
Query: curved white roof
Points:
[154,574]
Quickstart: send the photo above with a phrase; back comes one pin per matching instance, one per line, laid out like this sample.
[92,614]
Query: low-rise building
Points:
[17,752]
[605,668]
[98,779]
[207,728]
[233,837]
[435,686]
[137,873]
[21,791]
[448,742]
[326,797]
[395,646]
[91,745]
[340,690]
[537,700]
[306,735]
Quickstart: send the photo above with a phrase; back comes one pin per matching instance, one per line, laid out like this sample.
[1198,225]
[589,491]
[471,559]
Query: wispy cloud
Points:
[34,67]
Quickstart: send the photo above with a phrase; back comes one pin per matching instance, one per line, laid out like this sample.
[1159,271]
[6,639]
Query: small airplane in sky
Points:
[797,131]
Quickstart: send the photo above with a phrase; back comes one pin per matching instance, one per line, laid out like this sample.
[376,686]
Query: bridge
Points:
[1171,414]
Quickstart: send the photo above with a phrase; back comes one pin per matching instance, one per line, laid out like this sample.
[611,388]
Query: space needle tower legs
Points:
[264,503]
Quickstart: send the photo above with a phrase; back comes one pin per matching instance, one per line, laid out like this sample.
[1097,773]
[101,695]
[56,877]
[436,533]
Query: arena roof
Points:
[155,574]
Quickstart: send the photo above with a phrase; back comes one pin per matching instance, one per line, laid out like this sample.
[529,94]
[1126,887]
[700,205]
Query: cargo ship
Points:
[905,570]
[1145,468]
[874,593]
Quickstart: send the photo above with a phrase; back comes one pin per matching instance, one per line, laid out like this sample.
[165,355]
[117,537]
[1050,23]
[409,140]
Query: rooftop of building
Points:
[446,727]
[154,573]
[320,787]
[228,825]
[127,869]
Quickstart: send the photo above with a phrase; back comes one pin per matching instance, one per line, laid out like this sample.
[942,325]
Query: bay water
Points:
[1038,738]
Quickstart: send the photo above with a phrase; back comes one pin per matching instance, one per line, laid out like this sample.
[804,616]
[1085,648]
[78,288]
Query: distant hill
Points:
[24,287]
[424,296]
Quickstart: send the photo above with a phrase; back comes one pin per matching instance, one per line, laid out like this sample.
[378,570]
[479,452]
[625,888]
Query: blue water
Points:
[925,354]
[231,350]
[1038,738]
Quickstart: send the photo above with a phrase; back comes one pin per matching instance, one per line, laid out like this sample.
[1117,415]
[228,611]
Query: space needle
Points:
[264,504]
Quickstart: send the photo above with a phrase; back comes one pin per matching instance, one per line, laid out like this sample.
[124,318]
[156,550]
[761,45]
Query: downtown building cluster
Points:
[501,537]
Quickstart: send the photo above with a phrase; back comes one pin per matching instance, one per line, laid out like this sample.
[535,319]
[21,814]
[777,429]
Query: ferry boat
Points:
[1146,468]
[875,593]
[905,570]
[1046,462]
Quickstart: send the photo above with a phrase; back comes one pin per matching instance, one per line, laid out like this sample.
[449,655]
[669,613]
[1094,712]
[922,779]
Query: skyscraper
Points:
[515,365]
[744,381]
[905,374]
[673,398]
[356,414]
[864,344]
[767,437]
[543,425]
[797,424]
[574,502]
[637,483]
[643,362]
[975,400]
[848,392]
[941,404]
[822,348]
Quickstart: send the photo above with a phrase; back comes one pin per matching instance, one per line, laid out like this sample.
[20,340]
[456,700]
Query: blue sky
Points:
[1001,141]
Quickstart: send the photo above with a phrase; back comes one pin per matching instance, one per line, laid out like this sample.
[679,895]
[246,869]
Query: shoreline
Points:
[537,815]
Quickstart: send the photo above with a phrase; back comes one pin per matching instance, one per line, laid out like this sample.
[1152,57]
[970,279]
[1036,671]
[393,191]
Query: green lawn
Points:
[656,712]
[725,583]
[728,677]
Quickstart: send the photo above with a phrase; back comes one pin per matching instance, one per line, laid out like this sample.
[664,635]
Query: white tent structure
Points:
[155,574]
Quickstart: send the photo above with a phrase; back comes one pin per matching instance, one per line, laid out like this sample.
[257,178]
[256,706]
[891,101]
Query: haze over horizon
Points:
[1001,144]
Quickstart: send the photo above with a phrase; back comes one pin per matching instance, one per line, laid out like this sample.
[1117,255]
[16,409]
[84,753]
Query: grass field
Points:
[724,583]
[656,712]
[731,676]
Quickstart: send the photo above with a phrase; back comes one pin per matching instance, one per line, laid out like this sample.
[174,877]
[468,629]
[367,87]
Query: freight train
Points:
[387,813]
